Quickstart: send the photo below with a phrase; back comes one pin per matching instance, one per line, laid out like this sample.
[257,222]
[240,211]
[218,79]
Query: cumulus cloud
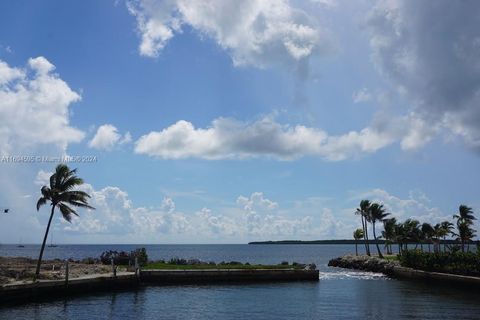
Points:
[251,217]
[34,108]
[254,32]
[232,139]
[416,206]
[107,137]
[433,61]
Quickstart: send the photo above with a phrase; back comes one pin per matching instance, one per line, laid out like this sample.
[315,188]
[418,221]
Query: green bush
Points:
[464,263]
[125,258]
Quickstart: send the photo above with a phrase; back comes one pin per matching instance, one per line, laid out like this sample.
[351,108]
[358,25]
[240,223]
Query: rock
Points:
[366,263]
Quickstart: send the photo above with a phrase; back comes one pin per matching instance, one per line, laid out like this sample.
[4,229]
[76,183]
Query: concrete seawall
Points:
[24,292]
[227,275]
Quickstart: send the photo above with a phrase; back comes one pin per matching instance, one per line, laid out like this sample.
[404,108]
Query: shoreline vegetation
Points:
[456,260]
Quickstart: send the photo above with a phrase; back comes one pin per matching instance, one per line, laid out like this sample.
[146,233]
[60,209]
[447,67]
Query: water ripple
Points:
[352,274]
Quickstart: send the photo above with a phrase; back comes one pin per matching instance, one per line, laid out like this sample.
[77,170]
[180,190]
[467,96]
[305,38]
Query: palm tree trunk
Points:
[356,248]
[366,238]
[37,272]
[376,242]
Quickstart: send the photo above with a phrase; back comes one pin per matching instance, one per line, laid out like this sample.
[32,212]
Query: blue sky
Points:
[227,122]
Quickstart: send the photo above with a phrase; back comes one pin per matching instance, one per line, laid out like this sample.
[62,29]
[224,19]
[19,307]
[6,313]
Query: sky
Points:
[235,121]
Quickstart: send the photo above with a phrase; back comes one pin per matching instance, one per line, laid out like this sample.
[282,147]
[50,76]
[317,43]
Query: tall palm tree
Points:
[61,194]
[428,233]
[357,235]
[363,212]
[377,214]
[389,233]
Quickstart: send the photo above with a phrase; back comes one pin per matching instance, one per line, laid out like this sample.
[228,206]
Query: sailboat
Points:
[51,245]
[20,245]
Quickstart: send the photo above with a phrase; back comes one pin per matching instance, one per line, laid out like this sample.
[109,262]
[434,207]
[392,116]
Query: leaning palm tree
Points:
[363,212]
[377,214]
[357,235]
[61,194]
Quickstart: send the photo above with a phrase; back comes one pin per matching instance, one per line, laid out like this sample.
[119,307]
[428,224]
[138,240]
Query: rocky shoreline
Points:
[23,269]
[365,263]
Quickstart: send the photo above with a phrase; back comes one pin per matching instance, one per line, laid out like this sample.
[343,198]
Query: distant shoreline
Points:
[340,241]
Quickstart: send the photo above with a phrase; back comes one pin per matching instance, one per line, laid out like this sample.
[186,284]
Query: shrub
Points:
[125,258]
[141,255]
[464,263]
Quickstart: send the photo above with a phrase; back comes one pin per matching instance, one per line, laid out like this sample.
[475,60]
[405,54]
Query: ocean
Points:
[340,293]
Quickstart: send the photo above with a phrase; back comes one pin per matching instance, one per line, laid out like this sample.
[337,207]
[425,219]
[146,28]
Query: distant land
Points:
[337,241]
[332,241]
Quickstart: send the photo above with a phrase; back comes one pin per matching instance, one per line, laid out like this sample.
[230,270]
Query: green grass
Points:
[162,265]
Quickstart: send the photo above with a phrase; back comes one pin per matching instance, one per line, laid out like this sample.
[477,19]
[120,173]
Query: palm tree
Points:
[61,194]
[377,213]
[357,235]
[465,219]
[389,233]
[400,236]
[428,233]
[446,229]
[412,233]
[464,214]
[363,212]
[465,233]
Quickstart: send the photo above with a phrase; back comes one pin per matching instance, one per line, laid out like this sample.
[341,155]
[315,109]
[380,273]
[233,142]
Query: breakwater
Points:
[22,292]
[393,269]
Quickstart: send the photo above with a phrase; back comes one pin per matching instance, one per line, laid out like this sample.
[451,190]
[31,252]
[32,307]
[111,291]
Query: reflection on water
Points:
[340,293]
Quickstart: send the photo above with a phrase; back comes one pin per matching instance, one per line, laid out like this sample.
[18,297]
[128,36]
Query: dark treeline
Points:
[344,241]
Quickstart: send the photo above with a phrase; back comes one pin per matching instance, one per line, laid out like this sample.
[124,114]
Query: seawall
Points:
[24,292]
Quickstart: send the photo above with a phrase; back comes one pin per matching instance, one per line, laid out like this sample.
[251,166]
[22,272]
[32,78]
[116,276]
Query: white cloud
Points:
[416,206]
[107,137]
[362,95]
[249,218]
[34,108]
[231,139]
[254,32]
[43,178]
[434,62]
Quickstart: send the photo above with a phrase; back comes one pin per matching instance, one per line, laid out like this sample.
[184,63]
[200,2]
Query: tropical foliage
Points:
[465,263]
[357,235]
[413,232]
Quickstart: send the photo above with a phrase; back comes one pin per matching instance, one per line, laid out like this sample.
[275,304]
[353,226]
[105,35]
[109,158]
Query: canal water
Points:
[340,294]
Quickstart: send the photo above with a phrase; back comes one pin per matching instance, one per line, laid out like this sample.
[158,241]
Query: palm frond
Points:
[67,212]
[41,202]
